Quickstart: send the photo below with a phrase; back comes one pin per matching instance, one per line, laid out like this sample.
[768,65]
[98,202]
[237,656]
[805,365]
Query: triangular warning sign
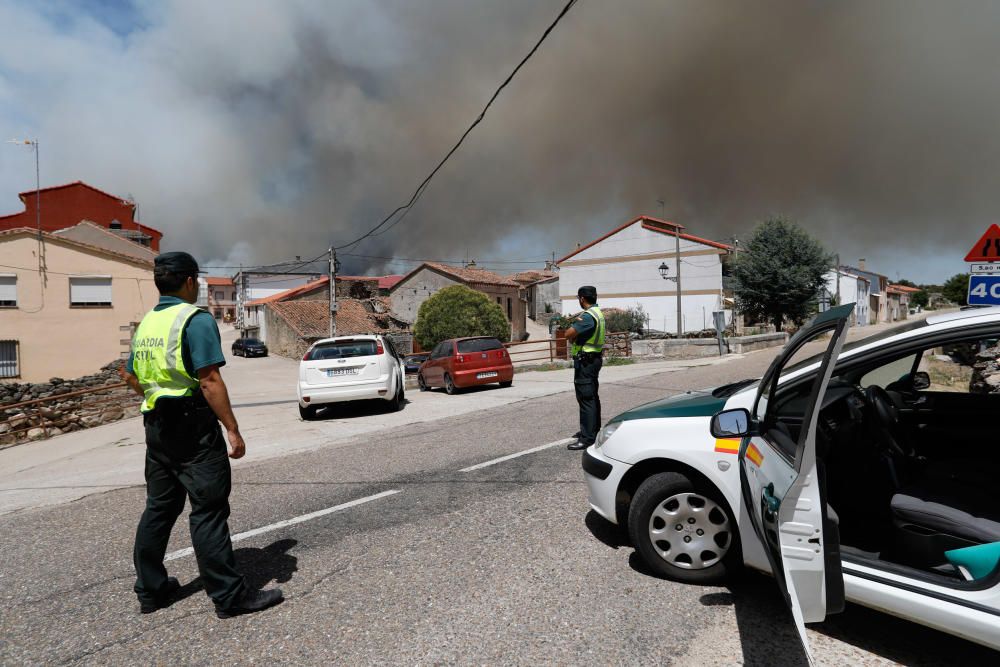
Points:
[987,249]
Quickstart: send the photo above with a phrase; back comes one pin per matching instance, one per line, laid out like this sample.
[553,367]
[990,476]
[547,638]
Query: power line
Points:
[420,189]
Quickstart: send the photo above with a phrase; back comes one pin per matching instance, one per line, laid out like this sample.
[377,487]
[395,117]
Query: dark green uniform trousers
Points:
[186,456]
[586,369]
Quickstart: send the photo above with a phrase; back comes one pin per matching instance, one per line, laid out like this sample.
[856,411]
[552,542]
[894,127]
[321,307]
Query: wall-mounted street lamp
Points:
[664,270]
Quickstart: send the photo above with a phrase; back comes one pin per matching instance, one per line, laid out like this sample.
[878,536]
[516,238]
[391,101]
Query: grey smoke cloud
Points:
[258,131]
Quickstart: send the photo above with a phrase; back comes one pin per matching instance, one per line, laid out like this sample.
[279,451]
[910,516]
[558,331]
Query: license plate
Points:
[333,372]
[483,376]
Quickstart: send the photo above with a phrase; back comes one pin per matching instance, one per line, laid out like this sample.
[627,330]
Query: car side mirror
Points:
[921,380]
[731,423]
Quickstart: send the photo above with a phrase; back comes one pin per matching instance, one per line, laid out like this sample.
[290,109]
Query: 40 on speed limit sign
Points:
[984,290]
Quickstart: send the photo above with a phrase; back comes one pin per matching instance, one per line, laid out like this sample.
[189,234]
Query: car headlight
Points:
[606,433]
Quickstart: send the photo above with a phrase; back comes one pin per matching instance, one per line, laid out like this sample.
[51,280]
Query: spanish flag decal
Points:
[754,455]
[727,445]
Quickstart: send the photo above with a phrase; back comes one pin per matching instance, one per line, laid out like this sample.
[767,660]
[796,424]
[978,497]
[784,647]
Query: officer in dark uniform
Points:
[587,338]
[174,365]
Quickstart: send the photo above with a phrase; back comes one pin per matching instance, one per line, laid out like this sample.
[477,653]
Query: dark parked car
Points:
[414,361]
[249,347]
[466,362]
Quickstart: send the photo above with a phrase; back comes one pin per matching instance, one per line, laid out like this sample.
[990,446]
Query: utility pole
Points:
[677,252]
[836,268]
[333,292]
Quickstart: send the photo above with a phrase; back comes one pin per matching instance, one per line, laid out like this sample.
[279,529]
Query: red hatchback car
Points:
[466,362]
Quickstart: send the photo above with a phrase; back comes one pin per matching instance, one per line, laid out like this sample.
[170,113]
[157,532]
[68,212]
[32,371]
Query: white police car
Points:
[863,472]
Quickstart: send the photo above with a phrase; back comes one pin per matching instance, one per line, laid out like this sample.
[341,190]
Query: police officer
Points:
[587,337]
[174,365]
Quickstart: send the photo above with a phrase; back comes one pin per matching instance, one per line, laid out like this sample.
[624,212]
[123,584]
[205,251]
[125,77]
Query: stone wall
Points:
[55,415]
[696,348]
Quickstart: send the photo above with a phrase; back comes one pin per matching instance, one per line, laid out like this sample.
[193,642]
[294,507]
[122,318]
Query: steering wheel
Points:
[887,415]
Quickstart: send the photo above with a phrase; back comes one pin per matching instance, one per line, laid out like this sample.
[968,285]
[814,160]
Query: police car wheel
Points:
[684,531]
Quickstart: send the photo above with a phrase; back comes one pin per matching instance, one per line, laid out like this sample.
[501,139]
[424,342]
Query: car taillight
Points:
[379,349]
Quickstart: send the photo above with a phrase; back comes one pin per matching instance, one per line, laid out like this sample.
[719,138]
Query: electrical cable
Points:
[423,185]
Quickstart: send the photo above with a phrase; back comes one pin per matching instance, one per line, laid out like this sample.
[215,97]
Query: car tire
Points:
[703,520]
[504,385]
[421,384]
[307,413]
[449,385]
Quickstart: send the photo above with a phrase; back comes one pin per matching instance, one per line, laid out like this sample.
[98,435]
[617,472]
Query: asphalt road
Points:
[501,564]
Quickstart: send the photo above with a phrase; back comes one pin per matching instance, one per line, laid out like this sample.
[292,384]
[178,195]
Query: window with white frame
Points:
[90,291]
[8,291]
[9,367]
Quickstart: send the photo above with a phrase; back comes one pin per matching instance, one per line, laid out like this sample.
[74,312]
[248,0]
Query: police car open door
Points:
[784,489]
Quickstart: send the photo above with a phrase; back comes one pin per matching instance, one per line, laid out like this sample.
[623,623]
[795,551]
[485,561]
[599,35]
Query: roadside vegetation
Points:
[779,274]
[457,312]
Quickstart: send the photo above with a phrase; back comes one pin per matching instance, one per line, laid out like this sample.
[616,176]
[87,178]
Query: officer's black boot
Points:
[249,601]
[163,599]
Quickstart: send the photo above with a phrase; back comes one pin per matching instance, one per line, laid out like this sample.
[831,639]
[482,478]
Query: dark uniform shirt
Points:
[585,328]
[201,344]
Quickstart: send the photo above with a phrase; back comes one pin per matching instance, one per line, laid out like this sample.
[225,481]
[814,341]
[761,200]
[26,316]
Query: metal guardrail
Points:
[37,413]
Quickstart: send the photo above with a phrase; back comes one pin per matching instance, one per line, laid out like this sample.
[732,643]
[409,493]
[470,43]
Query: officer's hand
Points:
[237,448]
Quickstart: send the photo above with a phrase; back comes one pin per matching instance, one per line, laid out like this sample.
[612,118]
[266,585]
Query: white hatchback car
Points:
[350,368]
[866,472]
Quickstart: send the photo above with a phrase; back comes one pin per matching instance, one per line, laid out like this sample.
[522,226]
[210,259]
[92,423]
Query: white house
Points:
[624,266]
[853,288]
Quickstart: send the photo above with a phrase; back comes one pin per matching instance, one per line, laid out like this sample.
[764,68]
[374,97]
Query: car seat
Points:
[928,522]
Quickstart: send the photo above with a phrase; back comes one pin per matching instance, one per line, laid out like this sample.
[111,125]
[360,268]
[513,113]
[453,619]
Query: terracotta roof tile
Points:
[470,275]
[80,244]
[533,276]
[311,319]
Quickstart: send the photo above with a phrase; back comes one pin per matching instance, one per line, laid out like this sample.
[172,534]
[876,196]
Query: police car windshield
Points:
[854,344]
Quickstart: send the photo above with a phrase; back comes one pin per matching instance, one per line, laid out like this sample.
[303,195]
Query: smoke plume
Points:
[255,132]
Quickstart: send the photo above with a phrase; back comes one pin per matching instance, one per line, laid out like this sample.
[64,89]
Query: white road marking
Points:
[564,441]
[289,522]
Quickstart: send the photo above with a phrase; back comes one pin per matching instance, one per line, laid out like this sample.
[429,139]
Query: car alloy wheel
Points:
[690,531]
[420,382]
[449,385]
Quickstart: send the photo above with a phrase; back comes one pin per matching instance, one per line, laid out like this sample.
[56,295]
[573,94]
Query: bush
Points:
[456,312]
[632,320]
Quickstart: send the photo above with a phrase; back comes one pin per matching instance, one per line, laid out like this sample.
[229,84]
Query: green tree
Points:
[920,298]
[780,272]
[956,288]
[458,311]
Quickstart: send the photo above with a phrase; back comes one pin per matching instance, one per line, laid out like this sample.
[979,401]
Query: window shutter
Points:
[90,290]
[8,289]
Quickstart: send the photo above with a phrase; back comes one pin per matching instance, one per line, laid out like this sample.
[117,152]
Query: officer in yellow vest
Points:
[174,365]
[587,337]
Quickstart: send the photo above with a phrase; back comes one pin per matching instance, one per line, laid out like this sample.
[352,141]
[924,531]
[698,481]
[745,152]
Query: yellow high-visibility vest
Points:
[596,341]
[157,358]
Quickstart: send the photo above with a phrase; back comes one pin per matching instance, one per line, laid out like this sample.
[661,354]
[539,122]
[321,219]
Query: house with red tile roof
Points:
[625,267]
[419,284]
[293,320]
[64,206]
[541,292]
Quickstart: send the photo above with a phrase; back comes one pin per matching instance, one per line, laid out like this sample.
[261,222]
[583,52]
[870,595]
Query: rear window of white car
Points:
[478,345]
[344,350]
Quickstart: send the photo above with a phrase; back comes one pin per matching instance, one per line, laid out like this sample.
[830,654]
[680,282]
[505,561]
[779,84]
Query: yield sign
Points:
[987,248]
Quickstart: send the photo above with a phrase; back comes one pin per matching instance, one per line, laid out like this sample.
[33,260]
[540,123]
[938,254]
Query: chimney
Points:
[861,264]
